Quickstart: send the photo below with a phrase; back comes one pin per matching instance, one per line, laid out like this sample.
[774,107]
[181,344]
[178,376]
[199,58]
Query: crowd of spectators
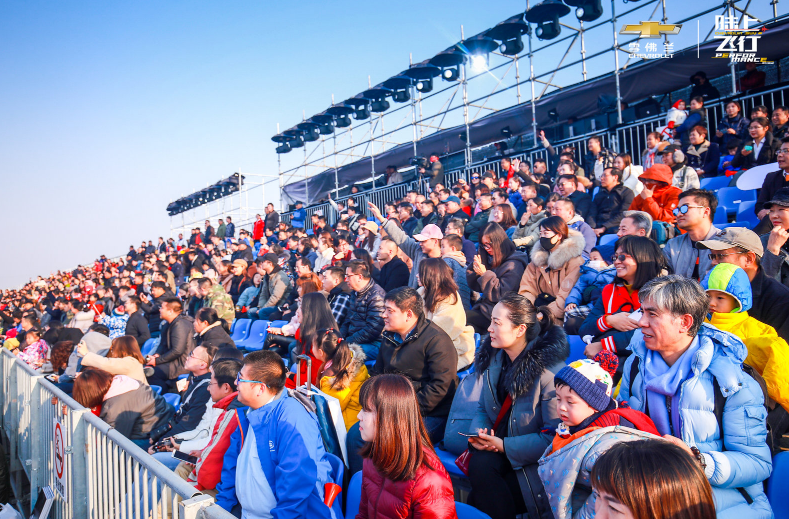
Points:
[685,328]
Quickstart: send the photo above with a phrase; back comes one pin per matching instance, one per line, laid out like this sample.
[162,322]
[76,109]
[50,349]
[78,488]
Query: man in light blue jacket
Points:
[276,465]
[687,376]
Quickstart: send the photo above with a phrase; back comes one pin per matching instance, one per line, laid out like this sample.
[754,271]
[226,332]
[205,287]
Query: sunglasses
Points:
[474,178]
[683,209]
[620,257]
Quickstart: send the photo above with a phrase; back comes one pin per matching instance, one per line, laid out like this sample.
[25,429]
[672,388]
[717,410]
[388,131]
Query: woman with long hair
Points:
[402,476]
[130,407]
[630,172]
[502,215]
[342,372]
[371,239]
[439,290]
[517,410]
[610,322]
[211,330]
[733,125]
[650,479]
[555,267]
[497,270]
[124,358]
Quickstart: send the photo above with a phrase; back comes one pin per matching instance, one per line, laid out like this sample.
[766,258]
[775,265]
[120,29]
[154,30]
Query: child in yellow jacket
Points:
[730,295]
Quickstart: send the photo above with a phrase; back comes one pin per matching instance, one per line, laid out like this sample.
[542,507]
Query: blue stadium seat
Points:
[337,473]
[732,197]
[720,216]
[257,335]
[240,330]
[595,191]
[465,511]
[185,375]
[477,341]
[714,183]
[607,238]
[233,326]
[354,496]
[173,399]
[776,486]
[745,214]
[732,224]
[149,347]
[577,347]
[157,389]
[278,324]
[448,460]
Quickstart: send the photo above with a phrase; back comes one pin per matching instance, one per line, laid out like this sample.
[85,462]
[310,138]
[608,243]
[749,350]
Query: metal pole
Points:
[583,49]
[531,81]
[306,177]
[465,119]
[281,187]
[517,79]
[616,64]
[413,115]
[372,151]
[336,178]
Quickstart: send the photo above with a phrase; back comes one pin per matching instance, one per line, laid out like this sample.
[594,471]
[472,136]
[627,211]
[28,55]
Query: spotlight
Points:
[553,115]
[424,85]
[449,62]
[423,76]
[295,138]
[587,10]
[400,87]
[325,123]
[361,107]
[361,113]
[506,132]
[377,97]
[284,143]
[546,15]
[310,130]
[379,106]
[509,34]
[341,113]
[479,63]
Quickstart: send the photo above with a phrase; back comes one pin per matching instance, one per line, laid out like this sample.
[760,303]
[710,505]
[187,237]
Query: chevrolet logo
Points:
[650,29]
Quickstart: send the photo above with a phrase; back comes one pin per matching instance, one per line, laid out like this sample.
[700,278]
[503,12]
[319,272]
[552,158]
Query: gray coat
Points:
[531,385]
[527,235]
[136,413]
[681,255]
[274,289]
[776,267]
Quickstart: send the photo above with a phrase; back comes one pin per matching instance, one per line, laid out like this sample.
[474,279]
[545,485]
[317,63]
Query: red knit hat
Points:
[676,105]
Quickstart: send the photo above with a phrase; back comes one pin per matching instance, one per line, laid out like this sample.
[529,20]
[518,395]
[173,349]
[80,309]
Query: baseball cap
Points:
[269,256]
[781,197]
[489,174]
[453,198]
[240,263]
[371,226]
[430,231]
[734,237]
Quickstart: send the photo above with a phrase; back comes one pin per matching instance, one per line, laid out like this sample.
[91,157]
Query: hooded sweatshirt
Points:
[768,353]
[661,204]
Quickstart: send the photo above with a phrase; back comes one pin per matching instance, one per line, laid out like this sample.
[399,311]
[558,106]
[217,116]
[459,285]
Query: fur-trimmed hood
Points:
[355,367]
[568,249]
[546,350]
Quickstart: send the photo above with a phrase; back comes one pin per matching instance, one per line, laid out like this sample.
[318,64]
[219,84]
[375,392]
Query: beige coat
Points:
[450,317]
[128,366]
[555,272]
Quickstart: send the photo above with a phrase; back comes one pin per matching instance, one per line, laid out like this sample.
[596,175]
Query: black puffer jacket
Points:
[137,327]
[177,343]
[365,320]
[608,207]
[428,357]
[214,336]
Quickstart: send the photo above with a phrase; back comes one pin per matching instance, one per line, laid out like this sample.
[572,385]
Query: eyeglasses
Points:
[718,256]
[620,257]
[487,246]
[683,209]
[239,380]
[192,355]
[780,151]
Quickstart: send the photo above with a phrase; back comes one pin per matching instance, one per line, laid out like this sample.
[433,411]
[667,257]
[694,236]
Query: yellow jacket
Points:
[349,395]
[768,354]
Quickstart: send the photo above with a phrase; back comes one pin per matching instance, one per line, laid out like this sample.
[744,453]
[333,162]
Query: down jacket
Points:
[428,496]
[745,463]
[365,319]
[555,272]
[134,409]
[534,416]
[177,343]
[348,392]
[274,288]
[494,284]
[566,474]
[590,280]
[529,234]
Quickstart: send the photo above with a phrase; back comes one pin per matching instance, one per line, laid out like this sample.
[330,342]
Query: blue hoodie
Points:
[590,278]
[292,457]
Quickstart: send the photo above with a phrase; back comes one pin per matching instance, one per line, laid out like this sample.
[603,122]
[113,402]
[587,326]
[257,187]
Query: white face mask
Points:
[597,264]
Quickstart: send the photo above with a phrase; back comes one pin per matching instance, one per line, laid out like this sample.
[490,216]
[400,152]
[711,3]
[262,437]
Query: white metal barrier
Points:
[94,471]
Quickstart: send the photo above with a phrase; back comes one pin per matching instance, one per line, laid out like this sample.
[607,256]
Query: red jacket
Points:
[661,204]
[428,496]
[208,469]
[290,383]
[258,230]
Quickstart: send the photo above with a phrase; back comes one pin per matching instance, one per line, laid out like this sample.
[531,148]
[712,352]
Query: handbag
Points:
[463,460]
[543,299]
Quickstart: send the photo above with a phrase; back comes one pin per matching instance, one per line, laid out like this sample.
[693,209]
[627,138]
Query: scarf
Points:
[649,161]
[457,256]
[663,381]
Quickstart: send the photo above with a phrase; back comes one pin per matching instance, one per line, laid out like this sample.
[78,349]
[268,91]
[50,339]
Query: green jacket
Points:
[221,231]
[220,301]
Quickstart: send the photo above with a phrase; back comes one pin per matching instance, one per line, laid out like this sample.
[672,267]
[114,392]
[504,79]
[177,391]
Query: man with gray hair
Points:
[633,223]
[687,376]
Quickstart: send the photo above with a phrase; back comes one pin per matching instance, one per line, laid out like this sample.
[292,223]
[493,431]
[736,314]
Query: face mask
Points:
[547,244]
[597,264]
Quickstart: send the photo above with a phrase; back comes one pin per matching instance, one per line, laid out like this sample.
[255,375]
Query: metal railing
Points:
[97,472]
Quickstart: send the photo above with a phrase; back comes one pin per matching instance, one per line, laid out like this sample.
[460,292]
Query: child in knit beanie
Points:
[584,402]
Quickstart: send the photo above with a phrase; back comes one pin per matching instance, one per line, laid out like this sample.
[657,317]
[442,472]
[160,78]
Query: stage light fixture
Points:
[586,10]
[310,131]
[377,97]
[423,76]
[341,112]
[400,87]
[284,143]
[361,107]
[296,137]
[449,62]
[450,74]
[509,33]
[546,16]
[424,85]
[479,48]
[325,123]
[479,63]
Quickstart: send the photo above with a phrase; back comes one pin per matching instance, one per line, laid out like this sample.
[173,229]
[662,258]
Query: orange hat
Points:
[658,173]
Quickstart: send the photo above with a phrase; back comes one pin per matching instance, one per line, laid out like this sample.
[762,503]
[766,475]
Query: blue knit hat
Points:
[590,380]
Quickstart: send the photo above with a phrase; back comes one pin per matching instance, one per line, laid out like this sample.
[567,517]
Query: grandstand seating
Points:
[465,511]
[255,337]
[172,399]
[714,183]
[731,197]
[240,330]
[577,347]
[720,216]
[157,389]
[353,496]
[776,486]
[607,238]
[745,213]
[150,347]
[448,460]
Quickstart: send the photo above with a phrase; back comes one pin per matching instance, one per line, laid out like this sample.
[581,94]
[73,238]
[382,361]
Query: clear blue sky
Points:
[110,110]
